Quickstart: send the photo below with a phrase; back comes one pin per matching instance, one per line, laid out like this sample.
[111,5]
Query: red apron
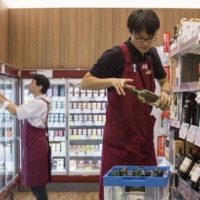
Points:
[129,128]
[36,161]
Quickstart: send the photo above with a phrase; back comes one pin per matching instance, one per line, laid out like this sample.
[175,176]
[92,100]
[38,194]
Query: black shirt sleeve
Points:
[109,65]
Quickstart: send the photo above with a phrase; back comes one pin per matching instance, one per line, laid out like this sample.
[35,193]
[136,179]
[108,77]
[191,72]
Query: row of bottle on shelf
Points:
[85,150]
[138,172]
[189,112]
[87,105]
[58,148]
[76,133]
[85,133]
[56,117]
[87,118]
[188,167]
[58,163]
[75,91]
[87,165]
[184,31]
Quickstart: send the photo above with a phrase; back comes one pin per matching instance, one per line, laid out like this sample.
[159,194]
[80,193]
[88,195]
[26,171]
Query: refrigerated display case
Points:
[75,124]
[86,118]
[9,132]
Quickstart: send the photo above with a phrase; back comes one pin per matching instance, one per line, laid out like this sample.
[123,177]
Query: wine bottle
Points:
[186,110]
[196,115]
[187,163]
[193,183]
[146,96]
[179,157]
[196,164]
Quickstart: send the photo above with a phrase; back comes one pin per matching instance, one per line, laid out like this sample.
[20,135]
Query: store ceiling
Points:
[102,4]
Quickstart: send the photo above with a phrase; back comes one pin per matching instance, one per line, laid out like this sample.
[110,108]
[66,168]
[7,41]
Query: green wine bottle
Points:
[146,96]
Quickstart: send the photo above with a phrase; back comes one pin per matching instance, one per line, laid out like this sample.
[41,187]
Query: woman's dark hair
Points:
[43,81]
[140,20]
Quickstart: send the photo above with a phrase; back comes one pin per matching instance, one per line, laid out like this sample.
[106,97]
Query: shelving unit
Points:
[9,133]
[184,54]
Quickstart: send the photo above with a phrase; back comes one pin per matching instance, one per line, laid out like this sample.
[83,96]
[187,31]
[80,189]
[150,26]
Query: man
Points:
[129,127]
[36,167]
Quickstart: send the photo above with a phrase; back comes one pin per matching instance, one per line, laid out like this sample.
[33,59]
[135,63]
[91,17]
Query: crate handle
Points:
[126,178]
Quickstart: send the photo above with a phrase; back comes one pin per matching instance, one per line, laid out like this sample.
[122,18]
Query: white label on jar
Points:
[196,175]
[186,163]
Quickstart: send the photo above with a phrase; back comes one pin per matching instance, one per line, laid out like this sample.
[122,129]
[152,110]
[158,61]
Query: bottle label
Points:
[186,163]
[196,175]
[193,169]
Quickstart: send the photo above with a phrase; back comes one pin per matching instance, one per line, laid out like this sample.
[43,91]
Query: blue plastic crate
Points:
[110,180]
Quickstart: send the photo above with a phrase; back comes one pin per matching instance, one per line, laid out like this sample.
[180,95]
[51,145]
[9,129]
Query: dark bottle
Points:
[194,181]
[192,171]
[198,186]
[179,157]
[187,163]
[196,115]
[186,110]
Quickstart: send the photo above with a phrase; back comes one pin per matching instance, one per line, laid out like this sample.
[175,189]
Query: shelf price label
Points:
[135,197]
[191,133]
[183,130]
[88,168]
[197,138]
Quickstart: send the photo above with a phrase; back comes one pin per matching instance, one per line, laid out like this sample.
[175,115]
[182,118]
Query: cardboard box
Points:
[188,145]
[186,28]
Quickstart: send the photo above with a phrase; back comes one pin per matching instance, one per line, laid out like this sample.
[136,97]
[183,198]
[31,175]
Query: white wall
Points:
[102,4]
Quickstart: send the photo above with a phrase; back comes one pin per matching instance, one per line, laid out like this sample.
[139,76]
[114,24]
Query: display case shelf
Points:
[186,87]
[187,192]
[174,123]
[190,46]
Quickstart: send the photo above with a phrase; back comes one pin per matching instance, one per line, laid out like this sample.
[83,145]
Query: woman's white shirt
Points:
[35,112]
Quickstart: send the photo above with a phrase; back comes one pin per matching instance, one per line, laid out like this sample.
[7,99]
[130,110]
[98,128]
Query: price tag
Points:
[93,137]
[72,154]
[191,133]
[82,154]
[89,123]
[98,123]
[76,137]
[95,110]
[71,137]
[77,123]
[183,130]
[71,123]
[86,110]
[135,197]
[88,168]
[197,138]
[83,137]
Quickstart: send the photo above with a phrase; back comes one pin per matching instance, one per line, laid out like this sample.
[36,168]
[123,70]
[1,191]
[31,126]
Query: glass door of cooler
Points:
[9,135]
[56,122]
[86,118]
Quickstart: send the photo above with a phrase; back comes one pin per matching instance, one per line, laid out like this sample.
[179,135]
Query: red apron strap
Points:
[48,107]
[125,52]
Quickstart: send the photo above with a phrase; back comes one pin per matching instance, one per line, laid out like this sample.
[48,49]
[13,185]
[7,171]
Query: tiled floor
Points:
[59,196]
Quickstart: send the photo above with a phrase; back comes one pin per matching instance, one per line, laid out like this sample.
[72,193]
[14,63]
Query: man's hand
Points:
[165,100]
[120,84]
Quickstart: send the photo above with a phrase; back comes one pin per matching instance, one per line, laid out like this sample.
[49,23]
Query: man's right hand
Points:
[120,84]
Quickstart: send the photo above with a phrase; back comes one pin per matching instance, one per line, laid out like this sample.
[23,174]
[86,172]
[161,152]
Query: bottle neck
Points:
[134,91]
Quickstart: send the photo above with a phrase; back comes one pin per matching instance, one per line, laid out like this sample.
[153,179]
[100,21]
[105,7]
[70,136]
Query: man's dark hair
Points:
[43,81]
[140,20]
